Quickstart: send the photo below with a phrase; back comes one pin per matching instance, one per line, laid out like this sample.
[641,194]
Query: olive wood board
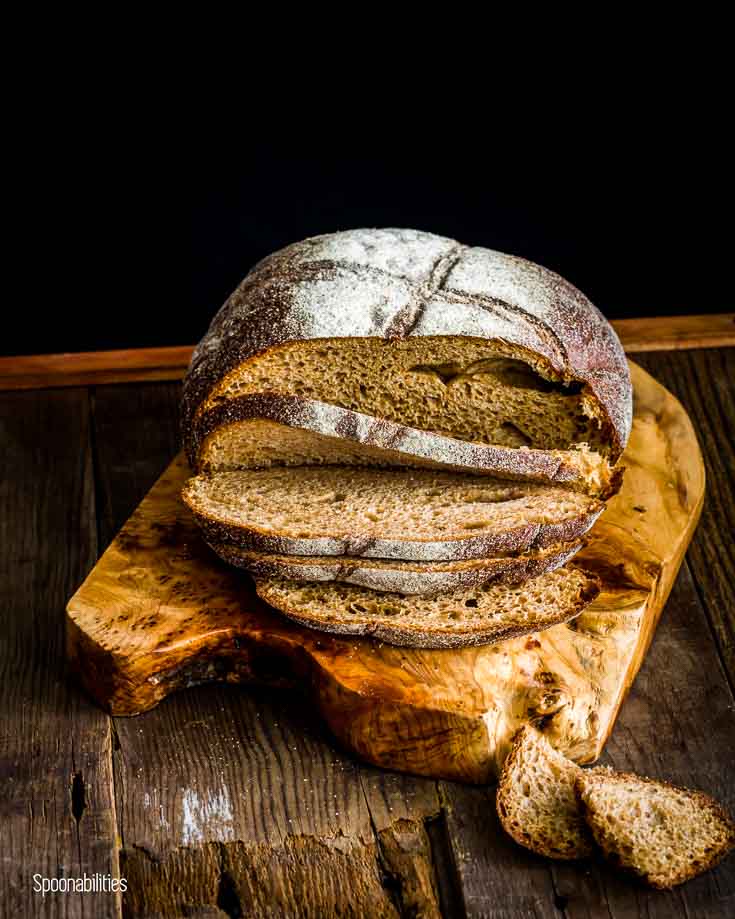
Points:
[160,612]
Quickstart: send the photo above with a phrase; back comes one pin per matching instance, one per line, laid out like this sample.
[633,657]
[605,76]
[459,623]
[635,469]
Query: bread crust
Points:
[588,776]
[398,441]
[436,639]
[512,542]
[395,284]
[424,579]
[504,807]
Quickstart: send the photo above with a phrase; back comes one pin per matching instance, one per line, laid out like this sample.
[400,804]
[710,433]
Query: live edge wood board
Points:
[160,612]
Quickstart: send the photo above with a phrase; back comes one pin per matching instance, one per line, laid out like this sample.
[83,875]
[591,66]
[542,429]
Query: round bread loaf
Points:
[417,293]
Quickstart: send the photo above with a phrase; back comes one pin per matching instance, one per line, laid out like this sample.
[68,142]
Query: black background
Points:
[151,230]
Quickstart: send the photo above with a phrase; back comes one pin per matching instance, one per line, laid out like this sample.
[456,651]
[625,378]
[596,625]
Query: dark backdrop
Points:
[156,240]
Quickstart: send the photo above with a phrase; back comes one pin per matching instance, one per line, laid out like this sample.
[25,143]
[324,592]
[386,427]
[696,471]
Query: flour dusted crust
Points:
[519,539]
[397,284]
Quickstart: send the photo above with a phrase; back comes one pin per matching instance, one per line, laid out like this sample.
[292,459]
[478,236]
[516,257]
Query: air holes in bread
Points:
[513,436]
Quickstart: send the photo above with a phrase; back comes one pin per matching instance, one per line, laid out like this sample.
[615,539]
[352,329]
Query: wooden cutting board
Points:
[159,612]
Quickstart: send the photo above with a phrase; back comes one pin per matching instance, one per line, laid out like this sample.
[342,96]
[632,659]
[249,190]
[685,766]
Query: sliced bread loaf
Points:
[420,578]
[258,431]
[415,515]
[475,616]
[536,799]
[663,834]
[425,332]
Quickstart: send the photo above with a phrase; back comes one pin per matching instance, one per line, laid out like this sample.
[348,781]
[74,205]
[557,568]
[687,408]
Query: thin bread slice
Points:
[260,430]
[482,615]
[663,834]
[536,799]
[390,575]
[473,389]
[415,515]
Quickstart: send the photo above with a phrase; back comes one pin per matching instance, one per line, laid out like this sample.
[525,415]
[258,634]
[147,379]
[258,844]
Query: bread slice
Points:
[663,834]
[417,515]
[475,616]
[393,576]
[263,430]
[536,799]
[467,389]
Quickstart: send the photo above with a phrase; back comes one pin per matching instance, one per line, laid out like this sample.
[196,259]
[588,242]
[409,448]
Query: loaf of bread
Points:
[392,412]
[427,579]
[419,515]
[476,616]
[262,430]
[420,331]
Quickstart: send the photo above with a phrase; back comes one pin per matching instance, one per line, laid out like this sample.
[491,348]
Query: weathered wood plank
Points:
[41,494]
[135,435]
[401,808]
[704,381]
[674,333]
[499,880]
[57,803]
[236,800]
[92,368]
[677,724]
[232,796]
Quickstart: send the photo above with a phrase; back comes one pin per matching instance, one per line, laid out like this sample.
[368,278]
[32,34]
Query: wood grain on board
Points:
[160,612]
[657,333]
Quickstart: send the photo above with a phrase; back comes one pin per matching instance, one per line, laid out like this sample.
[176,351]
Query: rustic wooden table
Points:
[228,801]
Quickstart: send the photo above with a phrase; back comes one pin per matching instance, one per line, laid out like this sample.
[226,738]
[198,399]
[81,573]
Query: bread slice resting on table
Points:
[662,834]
